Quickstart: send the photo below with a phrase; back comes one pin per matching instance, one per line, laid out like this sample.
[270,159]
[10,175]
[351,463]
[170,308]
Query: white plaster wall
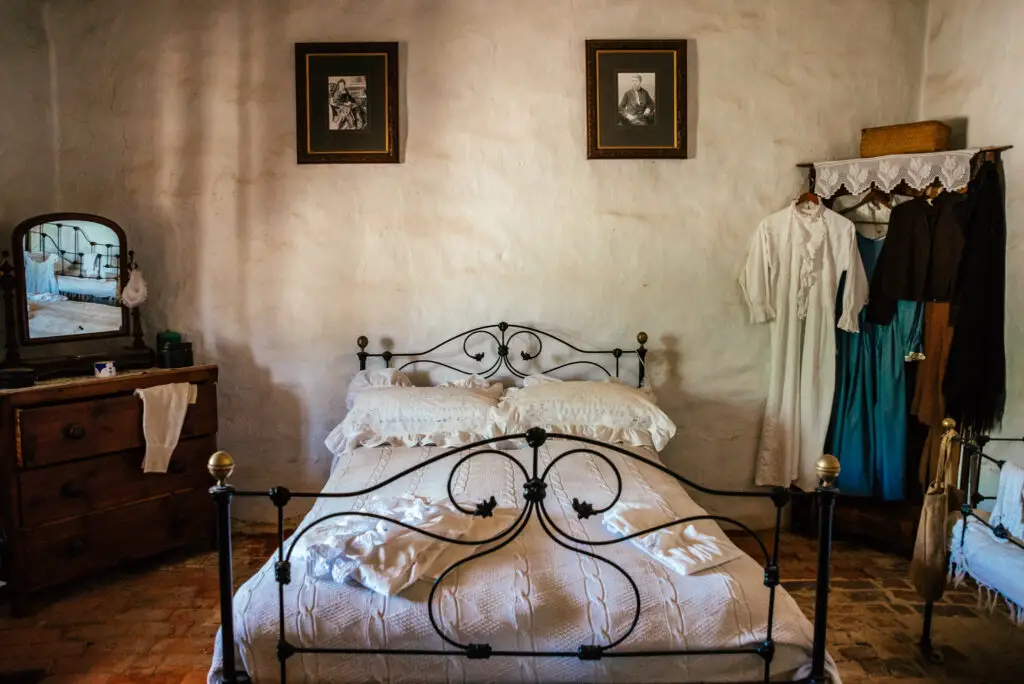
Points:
[26,149]
[973,72]
[177,120]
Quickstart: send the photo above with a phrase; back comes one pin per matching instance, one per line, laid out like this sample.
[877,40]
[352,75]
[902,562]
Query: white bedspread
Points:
[55,318]
[531,594]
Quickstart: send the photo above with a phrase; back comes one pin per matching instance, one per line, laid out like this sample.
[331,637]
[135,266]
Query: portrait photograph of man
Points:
[636,99]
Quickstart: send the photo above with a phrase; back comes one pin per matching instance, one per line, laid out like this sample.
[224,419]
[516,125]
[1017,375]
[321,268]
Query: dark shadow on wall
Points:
[259,417]
[716,441]
[189,204]
[716,446]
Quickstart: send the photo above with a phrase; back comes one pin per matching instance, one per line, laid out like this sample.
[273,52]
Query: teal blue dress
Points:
[869,410]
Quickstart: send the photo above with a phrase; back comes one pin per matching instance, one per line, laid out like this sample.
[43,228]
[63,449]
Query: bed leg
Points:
[828,472]
[220,466]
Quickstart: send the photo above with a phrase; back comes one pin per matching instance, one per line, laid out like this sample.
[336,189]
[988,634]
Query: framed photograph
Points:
[636,99]
[346,103]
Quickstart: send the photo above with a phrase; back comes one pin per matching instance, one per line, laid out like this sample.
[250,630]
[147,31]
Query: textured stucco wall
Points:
[26,146]
[973,72]
[177,120]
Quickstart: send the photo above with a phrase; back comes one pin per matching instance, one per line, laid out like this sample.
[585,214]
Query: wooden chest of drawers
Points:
[73,497]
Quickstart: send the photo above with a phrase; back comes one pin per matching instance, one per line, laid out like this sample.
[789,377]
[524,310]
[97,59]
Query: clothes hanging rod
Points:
[981,150]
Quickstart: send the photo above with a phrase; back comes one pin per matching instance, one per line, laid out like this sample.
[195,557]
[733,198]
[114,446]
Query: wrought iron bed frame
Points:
[77,257]
[973,449]
[221,466]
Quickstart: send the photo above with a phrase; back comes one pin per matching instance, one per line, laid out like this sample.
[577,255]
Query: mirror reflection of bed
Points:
[72,279]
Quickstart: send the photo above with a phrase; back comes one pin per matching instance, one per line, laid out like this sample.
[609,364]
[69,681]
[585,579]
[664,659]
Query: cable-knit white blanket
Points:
[530,595]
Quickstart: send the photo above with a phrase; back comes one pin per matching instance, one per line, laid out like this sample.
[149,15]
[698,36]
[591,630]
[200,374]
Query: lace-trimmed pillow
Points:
[381,377]
[609,411]
[411,416]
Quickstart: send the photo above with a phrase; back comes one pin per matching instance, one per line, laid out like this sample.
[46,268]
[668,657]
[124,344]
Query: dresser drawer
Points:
[64,550]
[80,487]
[66,432]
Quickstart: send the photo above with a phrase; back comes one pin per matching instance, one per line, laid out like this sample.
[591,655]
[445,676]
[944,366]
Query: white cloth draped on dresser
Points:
[163,415]
[790,282]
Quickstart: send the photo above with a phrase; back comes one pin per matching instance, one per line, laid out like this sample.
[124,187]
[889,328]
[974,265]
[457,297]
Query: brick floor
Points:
[156,623]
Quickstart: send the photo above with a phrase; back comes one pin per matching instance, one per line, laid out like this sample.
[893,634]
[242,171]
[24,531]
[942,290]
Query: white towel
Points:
[1009,509]
[686,548]
[386,558]
[163,413]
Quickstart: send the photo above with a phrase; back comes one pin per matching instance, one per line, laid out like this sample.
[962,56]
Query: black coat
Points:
[920,258]
[975,383]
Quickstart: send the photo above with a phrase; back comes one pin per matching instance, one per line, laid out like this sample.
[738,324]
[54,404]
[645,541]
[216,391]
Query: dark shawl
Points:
[975,383]
[920,258]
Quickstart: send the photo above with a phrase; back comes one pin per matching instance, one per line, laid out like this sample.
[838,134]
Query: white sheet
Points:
[995,564]
[531,594]
[94,287]
[1008,510]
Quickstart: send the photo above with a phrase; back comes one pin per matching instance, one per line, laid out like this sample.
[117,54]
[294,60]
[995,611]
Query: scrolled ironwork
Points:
[467,457]
[585,509]
[503,354]
[518,527]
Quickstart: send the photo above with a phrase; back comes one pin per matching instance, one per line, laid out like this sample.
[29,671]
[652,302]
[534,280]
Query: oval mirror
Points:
[69,270]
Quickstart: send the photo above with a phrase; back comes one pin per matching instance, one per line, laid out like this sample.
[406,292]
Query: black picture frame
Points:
[624,119]
[346,103]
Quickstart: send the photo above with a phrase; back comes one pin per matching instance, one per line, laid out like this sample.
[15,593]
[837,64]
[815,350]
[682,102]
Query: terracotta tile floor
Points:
[156,623]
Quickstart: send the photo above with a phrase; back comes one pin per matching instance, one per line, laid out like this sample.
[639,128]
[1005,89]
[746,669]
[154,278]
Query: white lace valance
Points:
[952,169]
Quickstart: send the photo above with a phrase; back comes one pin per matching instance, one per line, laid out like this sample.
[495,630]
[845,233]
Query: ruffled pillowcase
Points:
[365,379]
[608,411]
[453,414]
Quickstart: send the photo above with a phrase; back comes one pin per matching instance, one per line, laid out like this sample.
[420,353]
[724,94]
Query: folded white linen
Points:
[1008,510]
[385,557]
[682,548]
[163,414]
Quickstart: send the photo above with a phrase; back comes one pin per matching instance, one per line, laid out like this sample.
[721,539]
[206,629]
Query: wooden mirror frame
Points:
[136,355]
[21,296]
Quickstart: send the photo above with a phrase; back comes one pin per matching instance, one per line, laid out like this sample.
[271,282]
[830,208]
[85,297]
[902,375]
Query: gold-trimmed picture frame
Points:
[636,99]
[346,103]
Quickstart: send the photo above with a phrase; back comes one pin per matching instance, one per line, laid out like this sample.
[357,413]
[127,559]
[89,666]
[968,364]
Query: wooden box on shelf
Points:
[921,136]
[73,497]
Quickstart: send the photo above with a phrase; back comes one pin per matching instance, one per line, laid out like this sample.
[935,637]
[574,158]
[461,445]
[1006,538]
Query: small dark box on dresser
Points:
[73,497]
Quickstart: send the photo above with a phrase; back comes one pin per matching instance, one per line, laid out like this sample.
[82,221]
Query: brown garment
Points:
[921,255]
[928,404]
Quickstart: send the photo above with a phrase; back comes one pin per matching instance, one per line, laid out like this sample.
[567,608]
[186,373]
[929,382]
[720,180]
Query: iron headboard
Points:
[502,357]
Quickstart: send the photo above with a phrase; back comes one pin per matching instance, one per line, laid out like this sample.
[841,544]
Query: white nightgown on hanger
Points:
[790,281]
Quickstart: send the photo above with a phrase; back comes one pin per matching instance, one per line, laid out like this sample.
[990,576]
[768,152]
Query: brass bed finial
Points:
[362,342]
[641,337]
[221,465]
[827,469]
[948,424]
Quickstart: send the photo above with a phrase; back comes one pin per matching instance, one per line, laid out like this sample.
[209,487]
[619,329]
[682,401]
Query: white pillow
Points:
[383,377]
[477,383]
[410,416]
[606,411]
